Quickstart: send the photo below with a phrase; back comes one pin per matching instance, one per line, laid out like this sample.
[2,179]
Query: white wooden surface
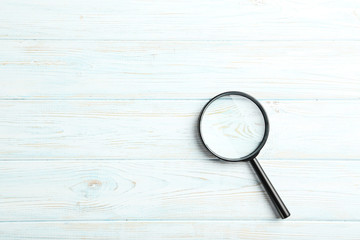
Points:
[99,102]
[64,69]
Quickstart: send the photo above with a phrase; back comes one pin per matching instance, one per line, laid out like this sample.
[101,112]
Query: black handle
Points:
[274,196]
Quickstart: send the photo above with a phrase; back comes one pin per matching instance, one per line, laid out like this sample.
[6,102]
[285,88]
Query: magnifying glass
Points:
[234,126]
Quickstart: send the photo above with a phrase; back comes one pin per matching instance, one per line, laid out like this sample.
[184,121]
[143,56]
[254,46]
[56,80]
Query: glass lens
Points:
[232,127]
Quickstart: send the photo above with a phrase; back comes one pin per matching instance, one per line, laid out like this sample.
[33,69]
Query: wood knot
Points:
[94,183]
[89,189]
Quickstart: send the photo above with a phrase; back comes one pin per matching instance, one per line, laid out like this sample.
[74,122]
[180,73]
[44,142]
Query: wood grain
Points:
[99,103]
[167,130]
[180,20]
[182,230]
[178,70]
[169,190]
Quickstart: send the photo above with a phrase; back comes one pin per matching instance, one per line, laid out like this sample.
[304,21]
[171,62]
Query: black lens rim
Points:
[267,126]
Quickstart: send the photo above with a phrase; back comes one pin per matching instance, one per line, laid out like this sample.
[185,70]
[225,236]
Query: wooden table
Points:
[99,102]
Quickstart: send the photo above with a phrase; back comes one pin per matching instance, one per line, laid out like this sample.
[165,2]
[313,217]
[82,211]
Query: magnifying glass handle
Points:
[275,198]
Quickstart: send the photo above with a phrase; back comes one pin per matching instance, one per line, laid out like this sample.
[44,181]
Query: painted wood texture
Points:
[180,20]
[179,70]
[247,230]
[48,129]
[99,104]
[170,190]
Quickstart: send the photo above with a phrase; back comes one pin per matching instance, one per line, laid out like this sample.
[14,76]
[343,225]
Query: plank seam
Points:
[179,40]
[174,99]
[178,220]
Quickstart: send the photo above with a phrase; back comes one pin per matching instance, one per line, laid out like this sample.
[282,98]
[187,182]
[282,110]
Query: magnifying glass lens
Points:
[232,127]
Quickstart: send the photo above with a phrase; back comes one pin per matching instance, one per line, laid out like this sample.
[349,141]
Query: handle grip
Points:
[274,196]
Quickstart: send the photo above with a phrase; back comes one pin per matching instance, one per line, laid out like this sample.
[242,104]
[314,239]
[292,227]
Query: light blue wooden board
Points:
[179,69]
[176,190]
[153,230]
[167,129]
[180,20]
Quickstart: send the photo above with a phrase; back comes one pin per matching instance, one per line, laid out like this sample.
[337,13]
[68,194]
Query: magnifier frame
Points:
[266,120]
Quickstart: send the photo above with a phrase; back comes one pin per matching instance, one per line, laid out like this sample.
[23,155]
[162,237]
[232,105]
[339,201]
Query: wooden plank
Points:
[167,130]
[169,190]
[173,70]
[182,230]
[180,20]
